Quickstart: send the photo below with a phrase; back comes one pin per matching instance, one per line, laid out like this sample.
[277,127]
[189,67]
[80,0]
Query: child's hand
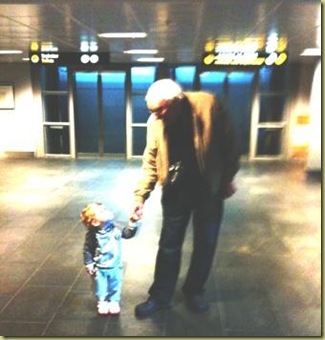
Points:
[129,232]
[91,268]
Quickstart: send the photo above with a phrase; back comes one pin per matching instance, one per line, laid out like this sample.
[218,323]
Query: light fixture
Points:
[312,52]
[151,60]
[10,52]
[93,46]
[86,58]
[132,35]
[86,46]
[94,58]
[140,51]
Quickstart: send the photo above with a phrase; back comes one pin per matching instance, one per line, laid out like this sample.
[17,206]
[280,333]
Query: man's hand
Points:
[230,189]
[135,216]
[137,212]
[91,268]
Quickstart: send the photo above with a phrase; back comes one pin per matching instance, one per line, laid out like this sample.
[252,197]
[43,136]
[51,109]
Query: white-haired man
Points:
[191,152]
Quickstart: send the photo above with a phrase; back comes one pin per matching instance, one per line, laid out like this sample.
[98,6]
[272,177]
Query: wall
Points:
[299,111]
[18,126]
[315,127]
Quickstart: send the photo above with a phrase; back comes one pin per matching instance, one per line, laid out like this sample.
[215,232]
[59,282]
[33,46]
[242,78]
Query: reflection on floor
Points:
[266,279]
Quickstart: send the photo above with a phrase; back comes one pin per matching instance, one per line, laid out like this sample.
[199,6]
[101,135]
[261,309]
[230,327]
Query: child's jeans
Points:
[108,283]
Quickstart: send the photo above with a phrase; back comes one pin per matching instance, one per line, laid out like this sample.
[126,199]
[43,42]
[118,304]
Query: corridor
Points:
[266,278]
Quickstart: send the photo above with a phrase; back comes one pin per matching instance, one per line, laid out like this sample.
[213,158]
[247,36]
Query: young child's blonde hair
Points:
[87,214]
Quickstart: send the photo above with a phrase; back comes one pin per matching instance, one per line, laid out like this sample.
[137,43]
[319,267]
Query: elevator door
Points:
[235,91]
[100,113]
[239,103]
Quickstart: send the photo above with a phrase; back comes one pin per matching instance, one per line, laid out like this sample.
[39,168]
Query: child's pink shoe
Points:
[102,307]
[114,308]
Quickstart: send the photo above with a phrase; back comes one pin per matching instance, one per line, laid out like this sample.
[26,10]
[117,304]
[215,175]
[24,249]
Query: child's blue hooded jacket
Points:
[103,246]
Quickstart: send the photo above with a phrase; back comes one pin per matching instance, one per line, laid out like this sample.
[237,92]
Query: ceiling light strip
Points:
[132,35]
[10,52]
[150,60]
[311,52]
[141,51]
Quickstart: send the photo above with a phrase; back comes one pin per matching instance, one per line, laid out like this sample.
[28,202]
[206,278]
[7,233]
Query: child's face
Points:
[102,215]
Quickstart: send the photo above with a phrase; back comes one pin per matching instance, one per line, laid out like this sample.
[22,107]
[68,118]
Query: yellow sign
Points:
[254,51]
[34,46]
[34,58]
[244,59]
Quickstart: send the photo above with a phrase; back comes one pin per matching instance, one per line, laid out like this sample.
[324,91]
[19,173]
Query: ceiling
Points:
[177,28]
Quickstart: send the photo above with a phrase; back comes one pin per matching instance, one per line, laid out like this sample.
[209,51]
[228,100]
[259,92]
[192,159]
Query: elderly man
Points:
[191,152]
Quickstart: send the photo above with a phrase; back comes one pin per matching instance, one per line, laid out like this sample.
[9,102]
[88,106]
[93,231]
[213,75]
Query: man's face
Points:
[165,110]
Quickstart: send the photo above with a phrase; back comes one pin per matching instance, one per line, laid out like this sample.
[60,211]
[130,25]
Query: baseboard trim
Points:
[19,154]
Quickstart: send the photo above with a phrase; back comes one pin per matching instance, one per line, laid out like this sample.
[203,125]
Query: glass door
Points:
[86,113]
[239,99]
[113,113]
[56,115]
[235,91]
[100,119]
[268,126]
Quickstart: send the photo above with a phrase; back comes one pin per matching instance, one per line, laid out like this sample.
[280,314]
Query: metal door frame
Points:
[256,125]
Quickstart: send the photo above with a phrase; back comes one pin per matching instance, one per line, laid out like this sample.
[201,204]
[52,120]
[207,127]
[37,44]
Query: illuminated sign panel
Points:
[244,58]
[45,53]
[252,51]
[67,58]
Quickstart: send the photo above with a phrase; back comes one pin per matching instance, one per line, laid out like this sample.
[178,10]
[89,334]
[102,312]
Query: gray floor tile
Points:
[68,253]
[21,329]
[58,225]
[126,326]
[32,250]
[34,303]
[92,327]
[182,322]
[83,283]
[302,321]
[47,276]
[265,280]
[78,305]
[249,312]
[14,276]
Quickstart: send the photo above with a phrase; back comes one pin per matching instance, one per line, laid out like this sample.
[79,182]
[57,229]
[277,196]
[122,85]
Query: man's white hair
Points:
[163,89]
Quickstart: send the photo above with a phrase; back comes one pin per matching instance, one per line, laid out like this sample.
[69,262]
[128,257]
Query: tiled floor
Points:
[266,280]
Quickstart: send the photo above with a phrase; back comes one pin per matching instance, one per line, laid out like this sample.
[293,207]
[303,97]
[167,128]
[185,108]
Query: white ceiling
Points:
[177,28]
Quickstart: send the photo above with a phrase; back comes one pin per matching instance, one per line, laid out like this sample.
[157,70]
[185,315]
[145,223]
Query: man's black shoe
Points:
[149,307]
[196,303]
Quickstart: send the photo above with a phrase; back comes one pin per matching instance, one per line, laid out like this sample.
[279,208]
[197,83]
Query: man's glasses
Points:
[158,111]
[161,110]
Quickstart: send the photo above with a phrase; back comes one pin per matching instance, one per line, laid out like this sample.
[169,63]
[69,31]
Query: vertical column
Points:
[100,115]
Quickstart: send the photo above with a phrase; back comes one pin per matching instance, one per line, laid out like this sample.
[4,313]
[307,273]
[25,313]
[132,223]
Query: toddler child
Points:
[102,255]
